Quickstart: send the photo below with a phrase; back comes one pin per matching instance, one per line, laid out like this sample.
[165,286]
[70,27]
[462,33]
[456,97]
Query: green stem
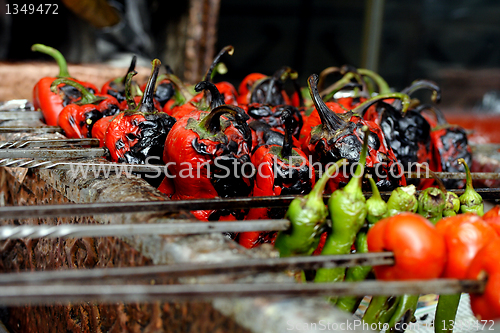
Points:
[361,108]
[324,73]
[320,185]
[354,185]
[58,57]
[383,87]
[470,200]
[128,91]
[227,49]
[87,96]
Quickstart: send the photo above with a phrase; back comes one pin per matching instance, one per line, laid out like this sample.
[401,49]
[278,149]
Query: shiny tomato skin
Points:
[494,222]
[464,235]
[419,250]
[486,306]
[492,213]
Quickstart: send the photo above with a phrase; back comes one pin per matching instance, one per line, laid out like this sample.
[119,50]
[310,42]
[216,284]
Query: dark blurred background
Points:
[456,43]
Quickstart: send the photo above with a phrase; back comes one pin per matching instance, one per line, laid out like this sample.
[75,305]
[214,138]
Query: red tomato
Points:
[492,213]
[486,306]
[464,235]
[419,250]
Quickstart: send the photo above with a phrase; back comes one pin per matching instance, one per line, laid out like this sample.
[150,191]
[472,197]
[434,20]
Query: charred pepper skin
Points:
[207,145]
[282,169]
[347,207]
[307,216]
[49,102]
[137,136]
[339,136]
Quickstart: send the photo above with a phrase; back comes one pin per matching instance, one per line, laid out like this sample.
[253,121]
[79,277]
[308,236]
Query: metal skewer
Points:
[175,227]
[23,129]
[48,143]
[53,153]
[196,269]
[57,294]
[77,167]
[23,115]
[96,208]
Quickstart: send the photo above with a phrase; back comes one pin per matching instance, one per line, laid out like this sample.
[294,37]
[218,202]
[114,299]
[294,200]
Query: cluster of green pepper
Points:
[352,215]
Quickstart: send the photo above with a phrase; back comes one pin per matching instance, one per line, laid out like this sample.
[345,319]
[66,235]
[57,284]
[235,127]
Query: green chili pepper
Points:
[452,204]
[381,309]
[446,312]
[375,205]
[405,310]
[402,199]
[376,209]
[307,216]
[347,207]
[470,200]
[451,201]
[431,203]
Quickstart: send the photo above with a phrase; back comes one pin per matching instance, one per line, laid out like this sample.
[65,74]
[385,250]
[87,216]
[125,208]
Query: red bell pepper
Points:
[484,266]
[280,170]
[206,154]
[135,136]
[78,118]
[419,249]
[464,235]
[51,103]
[258,88]
[116,87]
[339,137]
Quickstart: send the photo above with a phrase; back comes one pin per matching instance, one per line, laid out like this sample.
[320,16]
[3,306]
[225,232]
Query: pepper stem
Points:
[58,57]
[343,83]
[361,108]
[216,97]
[279,76]
[436,178]
[211,122]
[320,185]
[182,93]
[227,49]
[128,90]
[355,183]
[87,96]
[324,73]
[131,68]
[146,105]
[287,117]
[468,183]
[383,87]
[424,84]
[330,121]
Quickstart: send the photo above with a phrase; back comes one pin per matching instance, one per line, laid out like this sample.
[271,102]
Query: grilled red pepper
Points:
[262,89]
[134,136]
[78,118]
[449,143]
[51,103]
[339,136]
[280,170]
[116,87]
[484,266]
[206,154]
